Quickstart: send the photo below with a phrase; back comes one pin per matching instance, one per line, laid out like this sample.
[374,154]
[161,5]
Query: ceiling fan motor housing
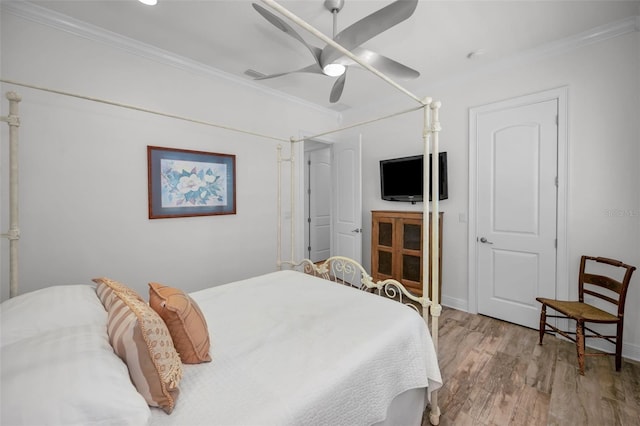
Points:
[334,5]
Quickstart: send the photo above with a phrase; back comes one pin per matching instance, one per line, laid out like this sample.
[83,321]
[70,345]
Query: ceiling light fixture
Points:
[149,2]
[334,70]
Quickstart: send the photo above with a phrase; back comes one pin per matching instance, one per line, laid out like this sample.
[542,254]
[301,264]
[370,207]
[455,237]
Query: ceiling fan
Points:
[332,63]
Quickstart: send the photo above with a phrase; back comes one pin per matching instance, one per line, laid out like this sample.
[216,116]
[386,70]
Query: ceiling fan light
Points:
[149,2]
[334,70]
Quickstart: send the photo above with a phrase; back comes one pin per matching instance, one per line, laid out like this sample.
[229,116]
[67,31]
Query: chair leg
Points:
[580,345]
[619,346]
[543,322]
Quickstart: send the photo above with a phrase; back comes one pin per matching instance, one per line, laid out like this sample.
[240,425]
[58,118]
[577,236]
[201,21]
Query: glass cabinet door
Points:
[411,236]
[411,254]
[385,262]
[385,234]
[385,248]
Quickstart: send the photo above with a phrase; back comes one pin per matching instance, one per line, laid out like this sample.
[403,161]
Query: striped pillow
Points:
[140,337]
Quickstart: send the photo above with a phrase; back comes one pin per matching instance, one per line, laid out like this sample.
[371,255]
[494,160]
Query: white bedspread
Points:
[291,349]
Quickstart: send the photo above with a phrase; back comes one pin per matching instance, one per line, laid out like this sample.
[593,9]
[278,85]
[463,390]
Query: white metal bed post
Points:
[426,135]
[279,248]
[291,161]
[432,125]
[13,235]
[292,197]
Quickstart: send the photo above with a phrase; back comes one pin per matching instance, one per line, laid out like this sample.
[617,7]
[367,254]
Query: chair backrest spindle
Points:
[598,282]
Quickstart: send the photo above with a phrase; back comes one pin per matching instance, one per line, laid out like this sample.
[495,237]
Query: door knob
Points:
[485,241]
[357,230]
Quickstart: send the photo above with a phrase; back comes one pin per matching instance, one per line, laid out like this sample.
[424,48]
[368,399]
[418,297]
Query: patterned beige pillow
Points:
[140,337]
[185,321]
[118,287]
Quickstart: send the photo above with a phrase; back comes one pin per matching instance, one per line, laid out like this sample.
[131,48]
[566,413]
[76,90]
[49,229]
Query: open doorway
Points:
[317,200]
[330,218]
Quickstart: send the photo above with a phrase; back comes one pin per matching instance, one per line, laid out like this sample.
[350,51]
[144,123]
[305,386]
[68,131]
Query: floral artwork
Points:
[186,183]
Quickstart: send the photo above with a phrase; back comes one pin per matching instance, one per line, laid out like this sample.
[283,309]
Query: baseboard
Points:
[629,351]
[452,302]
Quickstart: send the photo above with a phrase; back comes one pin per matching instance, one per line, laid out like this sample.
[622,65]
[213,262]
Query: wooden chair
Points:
[599,286]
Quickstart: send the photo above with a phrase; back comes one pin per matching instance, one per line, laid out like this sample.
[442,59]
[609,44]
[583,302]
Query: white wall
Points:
[603,82]
[83,176]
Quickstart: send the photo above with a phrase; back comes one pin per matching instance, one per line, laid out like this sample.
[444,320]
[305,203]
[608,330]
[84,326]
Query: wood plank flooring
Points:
[495,373]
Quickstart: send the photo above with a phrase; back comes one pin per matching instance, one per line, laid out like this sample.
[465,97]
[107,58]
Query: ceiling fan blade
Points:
[383,64]
[283,26]
[369,27]
[313,68]
[338,87]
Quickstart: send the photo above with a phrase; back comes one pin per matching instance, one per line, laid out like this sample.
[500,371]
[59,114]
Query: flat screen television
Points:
[401,179]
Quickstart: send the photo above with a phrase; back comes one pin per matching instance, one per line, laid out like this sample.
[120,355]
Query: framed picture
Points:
[185,183]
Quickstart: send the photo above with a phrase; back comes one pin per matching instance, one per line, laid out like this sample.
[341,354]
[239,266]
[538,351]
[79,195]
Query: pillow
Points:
[185,321]
[50,308]
[119,287]
[140,337]
[64,374]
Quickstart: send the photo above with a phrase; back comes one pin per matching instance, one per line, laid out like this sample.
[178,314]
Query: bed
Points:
[287,348]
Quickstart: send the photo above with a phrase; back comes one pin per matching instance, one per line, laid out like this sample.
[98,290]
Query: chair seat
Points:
[578,310]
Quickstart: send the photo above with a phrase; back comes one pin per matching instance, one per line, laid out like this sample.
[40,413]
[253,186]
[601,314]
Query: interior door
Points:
[517,160]
[347,195]
[318,203]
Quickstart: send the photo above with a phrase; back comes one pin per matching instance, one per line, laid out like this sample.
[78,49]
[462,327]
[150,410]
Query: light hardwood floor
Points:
[495,373]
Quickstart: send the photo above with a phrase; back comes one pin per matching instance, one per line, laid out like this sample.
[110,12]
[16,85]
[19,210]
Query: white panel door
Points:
[319,193]
[347,208]
[517,210]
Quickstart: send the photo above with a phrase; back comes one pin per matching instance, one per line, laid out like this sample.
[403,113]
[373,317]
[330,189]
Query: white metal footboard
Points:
[347,271]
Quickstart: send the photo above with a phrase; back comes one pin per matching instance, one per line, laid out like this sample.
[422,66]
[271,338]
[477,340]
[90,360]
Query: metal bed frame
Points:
[335,267]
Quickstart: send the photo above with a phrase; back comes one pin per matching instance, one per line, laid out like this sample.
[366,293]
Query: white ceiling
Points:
[232,37]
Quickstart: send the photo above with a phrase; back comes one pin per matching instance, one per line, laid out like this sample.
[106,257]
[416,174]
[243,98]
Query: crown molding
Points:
[65,23]
[592,36]
[44,16]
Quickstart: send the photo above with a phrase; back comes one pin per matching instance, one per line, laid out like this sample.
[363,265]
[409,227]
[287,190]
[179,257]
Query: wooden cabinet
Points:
[396,248]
